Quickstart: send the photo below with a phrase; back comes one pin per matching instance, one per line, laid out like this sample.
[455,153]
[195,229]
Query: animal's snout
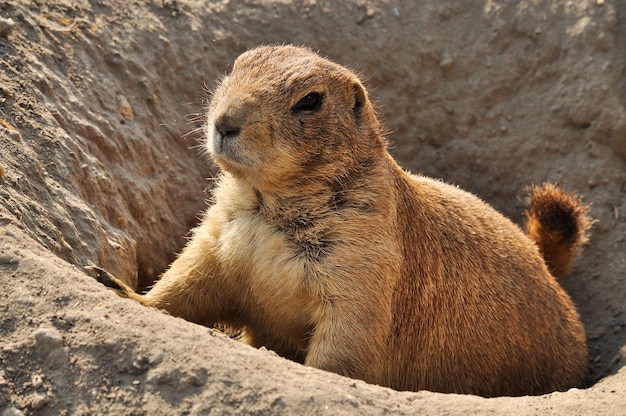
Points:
[225,130]
[227,126]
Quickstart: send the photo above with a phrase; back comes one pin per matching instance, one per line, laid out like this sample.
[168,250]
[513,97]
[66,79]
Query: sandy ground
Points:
[100,102]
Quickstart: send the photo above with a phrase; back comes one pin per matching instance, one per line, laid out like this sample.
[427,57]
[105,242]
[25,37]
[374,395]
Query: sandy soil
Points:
[99,164]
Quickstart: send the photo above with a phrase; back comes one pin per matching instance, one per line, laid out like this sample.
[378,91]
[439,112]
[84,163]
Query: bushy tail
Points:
[558,223]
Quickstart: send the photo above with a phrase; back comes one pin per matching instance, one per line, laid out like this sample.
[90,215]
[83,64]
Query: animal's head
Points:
[284,116]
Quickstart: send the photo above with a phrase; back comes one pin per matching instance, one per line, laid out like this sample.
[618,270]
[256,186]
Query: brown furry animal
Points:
[320,247]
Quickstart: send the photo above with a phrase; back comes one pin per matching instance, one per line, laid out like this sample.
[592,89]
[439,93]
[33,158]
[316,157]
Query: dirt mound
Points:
[96,97]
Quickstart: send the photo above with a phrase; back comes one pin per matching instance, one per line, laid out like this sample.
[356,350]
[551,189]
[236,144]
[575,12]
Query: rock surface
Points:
[100,105]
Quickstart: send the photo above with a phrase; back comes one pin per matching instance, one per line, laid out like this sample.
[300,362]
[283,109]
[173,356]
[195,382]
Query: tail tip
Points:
[559,223]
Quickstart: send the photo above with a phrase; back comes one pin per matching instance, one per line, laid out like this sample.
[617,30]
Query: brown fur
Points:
[320,247]
[558,223]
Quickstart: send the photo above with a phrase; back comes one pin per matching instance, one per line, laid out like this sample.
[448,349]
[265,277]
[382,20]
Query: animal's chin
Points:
[256,177]
[226,152]
[231,165]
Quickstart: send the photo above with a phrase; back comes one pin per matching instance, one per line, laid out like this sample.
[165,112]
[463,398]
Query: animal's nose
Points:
[228,125]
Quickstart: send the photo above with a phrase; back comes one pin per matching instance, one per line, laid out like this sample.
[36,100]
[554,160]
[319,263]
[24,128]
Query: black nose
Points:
[227,126]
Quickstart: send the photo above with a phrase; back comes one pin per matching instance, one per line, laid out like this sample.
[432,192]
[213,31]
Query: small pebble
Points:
[12,411]
[125,109]
[6,26]
[446,63]
[352,400]
[37,381]
[47,340]
[39,401]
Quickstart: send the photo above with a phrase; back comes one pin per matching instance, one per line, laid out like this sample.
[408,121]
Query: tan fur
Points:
[320,247]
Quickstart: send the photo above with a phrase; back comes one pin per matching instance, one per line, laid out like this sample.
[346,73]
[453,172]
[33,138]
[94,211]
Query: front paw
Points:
[108,279]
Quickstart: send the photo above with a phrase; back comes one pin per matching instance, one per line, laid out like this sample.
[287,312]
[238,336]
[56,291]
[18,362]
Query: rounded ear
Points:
[360,99]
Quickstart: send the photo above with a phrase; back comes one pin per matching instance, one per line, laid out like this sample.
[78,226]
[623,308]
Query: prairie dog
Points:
[319,246]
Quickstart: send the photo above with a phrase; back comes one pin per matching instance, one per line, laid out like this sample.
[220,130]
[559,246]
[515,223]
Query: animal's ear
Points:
[360,98]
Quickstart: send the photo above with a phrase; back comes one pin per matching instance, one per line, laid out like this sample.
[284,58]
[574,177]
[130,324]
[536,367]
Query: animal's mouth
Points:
[226,145]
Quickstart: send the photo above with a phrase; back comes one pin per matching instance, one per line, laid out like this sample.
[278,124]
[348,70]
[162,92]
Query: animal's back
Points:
[476,308]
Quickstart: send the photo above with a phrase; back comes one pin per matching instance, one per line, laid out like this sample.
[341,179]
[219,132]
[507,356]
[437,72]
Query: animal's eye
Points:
[310,102]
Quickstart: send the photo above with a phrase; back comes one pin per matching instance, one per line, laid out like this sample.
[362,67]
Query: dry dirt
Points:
[97,98]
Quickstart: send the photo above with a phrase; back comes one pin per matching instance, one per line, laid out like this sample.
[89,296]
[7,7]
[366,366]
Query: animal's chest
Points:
[273,275]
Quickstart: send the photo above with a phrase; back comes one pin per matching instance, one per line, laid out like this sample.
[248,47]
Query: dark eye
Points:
[310,102]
